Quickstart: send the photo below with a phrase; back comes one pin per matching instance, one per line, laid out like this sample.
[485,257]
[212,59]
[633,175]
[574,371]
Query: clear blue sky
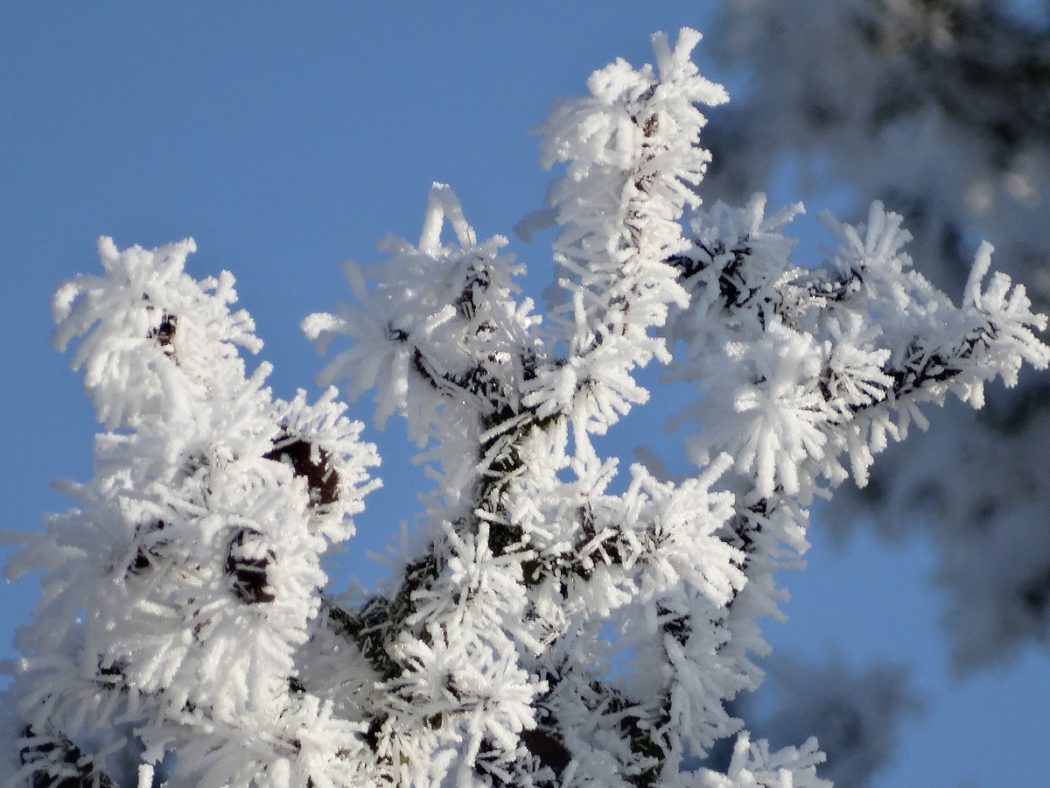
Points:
[285,141]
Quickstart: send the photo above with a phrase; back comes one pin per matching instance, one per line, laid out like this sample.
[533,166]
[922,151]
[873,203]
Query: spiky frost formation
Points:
[552,631]
[176,594]
[940,108]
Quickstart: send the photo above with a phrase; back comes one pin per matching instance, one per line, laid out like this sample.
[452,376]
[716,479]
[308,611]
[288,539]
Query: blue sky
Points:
[286,141]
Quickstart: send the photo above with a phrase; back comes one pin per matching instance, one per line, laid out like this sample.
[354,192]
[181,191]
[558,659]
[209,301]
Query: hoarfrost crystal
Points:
[550,631]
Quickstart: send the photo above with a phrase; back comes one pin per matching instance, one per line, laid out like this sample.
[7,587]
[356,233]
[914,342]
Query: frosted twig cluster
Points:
[182,610]
[942,109]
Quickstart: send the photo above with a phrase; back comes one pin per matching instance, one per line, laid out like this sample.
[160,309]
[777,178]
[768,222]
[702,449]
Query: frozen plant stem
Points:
[195,553]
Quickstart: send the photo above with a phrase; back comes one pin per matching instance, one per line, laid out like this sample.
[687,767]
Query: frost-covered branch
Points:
[819,363]
[560,625]
[822,366]
[939,108]
[176,596]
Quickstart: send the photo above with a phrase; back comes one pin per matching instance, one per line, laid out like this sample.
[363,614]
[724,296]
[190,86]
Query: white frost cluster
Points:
[824,365]
[942,109]
[176,594]
[552,631]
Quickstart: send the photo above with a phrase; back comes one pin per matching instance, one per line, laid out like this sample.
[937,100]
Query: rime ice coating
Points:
[178,592]
[195,553]
[942,110]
